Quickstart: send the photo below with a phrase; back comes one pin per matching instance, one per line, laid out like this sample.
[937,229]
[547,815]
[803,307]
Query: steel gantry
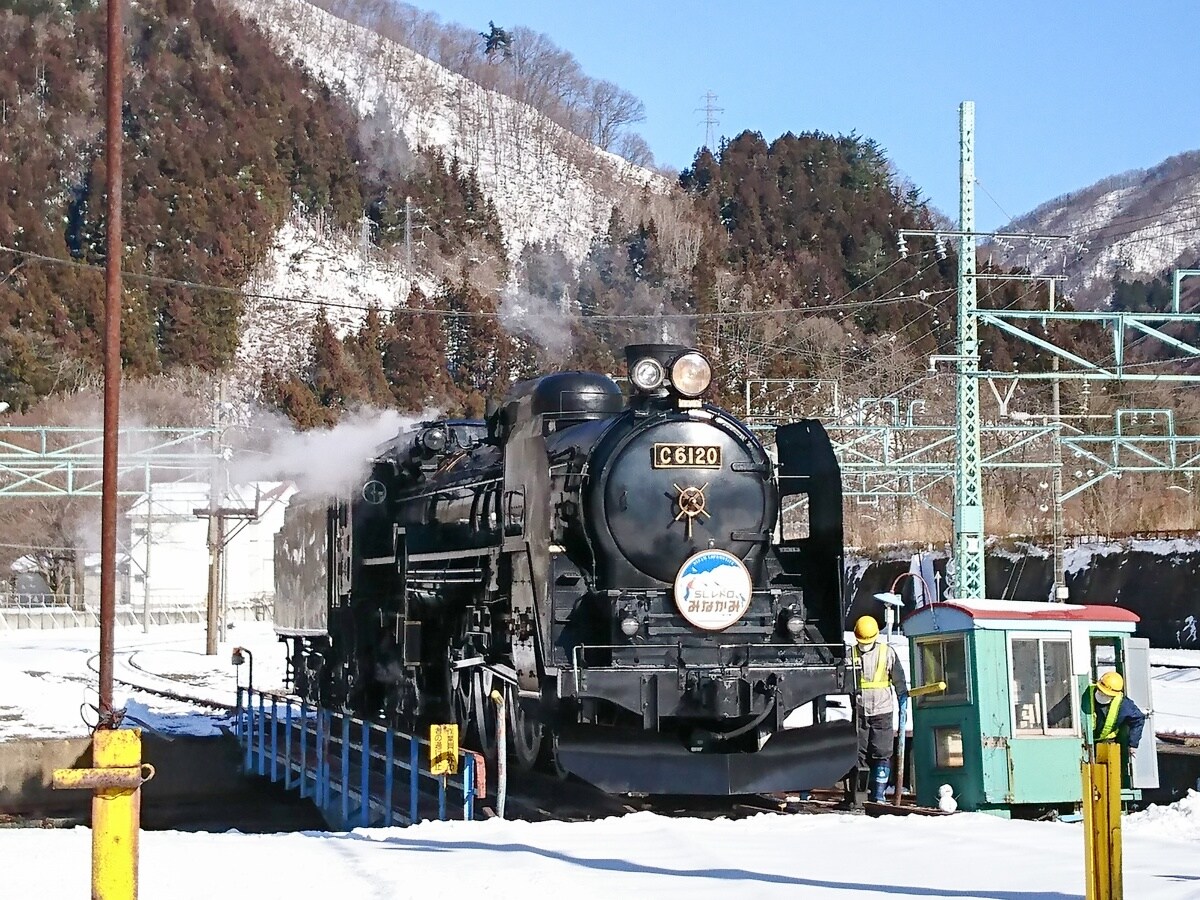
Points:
[50,461]
[901,458]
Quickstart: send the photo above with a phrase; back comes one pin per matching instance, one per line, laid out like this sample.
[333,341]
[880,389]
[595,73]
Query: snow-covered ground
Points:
[1176,694]
[44,678]
[818,857]
[48,689]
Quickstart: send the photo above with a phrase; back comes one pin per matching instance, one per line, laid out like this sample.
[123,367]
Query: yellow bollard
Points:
[1102,823]
[116,776]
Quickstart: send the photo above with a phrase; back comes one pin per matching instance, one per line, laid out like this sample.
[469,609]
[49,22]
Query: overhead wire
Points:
[837,306]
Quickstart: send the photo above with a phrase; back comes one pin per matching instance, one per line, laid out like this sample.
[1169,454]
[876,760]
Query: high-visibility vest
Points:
[881,679]
[1109,731]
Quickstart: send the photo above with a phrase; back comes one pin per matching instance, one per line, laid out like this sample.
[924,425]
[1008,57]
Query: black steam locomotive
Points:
[617,565]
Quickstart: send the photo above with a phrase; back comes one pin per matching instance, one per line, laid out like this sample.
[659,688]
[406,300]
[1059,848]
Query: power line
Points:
[485,314]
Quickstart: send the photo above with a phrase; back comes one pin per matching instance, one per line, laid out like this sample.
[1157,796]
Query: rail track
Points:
[532,795]
[127,671]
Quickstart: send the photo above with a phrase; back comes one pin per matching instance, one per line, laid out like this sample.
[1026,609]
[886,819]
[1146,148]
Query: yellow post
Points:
[1102,823]
[116,776]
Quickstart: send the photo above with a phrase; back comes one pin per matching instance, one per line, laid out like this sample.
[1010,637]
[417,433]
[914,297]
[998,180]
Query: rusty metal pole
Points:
[116,753]
[112,361]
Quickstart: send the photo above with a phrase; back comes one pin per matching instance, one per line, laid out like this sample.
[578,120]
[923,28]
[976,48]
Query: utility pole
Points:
[217,513]
[215,537]
[968,481]
[115,71]
[146,570]
[408,233]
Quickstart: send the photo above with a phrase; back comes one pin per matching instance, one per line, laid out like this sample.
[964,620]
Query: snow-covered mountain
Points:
[549,185]
[1135,225]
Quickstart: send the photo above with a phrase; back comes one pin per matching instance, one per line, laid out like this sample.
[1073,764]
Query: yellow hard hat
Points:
[866,629]
[1111,683]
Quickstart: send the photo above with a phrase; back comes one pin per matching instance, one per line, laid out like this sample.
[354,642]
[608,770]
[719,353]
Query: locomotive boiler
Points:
[659,598]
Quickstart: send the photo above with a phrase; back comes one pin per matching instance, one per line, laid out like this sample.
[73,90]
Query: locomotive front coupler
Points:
[727,695]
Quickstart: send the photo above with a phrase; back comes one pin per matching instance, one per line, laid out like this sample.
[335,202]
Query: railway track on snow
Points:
[531,795]
[127,671]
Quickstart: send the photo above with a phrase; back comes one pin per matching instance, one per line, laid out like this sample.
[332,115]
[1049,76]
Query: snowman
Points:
[946,801]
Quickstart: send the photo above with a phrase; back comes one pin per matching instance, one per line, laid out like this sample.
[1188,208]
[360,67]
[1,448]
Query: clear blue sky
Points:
[1066,91]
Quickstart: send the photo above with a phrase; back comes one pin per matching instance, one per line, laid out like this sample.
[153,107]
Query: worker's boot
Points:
[879,780]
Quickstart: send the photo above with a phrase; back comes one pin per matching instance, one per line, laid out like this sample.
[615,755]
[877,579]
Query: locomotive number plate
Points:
[685,456]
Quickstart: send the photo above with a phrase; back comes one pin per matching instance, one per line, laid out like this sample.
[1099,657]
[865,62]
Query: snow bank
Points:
[1179,821]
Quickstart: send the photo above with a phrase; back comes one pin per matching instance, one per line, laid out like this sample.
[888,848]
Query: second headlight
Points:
[691,374]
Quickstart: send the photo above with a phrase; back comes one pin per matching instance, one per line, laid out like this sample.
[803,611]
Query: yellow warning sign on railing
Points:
[443,749]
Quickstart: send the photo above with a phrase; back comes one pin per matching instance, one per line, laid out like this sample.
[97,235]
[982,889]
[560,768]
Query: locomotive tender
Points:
[617,564]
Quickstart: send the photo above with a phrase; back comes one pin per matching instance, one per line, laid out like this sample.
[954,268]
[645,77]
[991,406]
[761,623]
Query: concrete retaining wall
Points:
[1161,585]
[198,784]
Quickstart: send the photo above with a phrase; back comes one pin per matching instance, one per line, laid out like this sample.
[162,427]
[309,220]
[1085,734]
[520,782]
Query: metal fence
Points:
[358,773]
[14,600]
[46,611]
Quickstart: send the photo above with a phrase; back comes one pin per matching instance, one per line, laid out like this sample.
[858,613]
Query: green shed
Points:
[1008,731]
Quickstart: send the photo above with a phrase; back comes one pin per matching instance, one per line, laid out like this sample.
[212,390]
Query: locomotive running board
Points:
[624,761]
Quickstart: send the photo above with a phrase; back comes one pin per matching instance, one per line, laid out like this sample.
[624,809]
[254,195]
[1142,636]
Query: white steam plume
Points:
[543,321]
[326,461]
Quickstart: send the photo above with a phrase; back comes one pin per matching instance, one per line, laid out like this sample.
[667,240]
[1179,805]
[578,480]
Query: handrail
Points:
[579,665]
[334,757]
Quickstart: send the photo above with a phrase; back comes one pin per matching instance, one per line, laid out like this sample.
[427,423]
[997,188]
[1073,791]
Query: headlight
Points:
[629,626]
[691,374]
[795,625]
[434,439]
[647,374]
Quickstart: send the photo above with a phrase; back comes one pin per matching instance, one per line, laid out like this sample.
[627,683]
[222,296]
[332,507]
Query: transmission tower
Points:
[711,122]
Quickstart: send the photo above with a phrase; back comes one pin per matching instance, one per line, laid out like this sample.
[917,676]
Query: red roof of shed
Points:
[1054,612]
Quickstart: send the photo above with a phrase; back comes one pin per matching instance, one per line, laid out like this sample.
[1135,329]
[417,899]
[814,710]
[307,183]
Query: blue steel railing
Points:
[361,771]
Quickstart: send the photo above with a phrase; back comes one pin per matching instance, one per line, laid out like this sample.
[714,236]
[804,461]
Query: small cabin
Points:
[1010,730]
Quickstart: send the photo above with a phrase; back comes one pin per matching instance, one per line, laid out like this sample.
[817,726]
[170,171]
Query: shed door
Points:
[1137,685]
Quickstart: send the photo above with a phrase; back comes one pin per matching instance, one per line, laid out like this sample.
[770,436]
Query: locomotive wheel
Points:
[483,711]
[525,734]
[473,709]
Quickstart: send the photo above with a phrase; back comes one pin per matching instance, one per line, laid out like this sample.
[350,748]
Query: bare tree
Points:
[612,108]
[633,147]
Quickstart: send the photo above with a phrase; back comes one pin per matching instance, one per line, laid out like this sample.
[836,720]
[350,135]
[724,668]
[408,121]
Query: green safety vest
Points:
[881,675]
[1109,731]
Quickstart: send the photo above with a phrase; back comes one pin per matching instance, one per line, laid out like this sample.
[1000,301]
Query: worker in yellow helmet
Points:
[1115,715]
[881,686]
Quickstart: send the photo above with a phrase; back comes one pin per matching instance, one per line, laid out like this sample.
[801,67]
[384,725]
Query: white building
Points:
[168,554]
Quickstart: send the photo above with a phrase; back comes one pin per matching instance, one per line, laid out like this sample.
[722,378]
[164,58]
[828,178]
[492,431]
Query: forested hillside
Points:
[222,135]
[778,259]
[223,138]
[782,265]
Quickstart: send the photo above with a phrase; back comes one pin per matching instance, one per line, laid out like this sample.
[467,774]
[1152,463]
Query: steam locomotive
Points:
[622,567]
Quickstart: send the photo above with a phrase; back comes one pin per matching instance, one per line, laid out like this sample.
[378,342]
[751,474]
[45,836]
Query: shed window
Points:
[1041,678]
[948,747]
[943,659]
